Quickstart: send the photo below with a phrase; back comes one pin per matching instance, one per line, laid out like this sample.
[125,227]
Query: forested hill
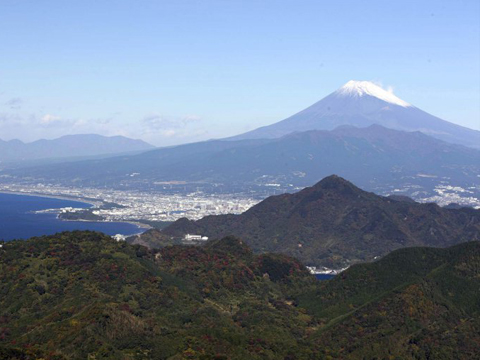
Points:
[333,224]
[415,303]
[83,295]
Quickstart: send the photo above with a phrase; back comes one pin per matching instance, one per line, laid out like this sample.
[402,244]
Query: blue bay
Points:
[324,276]
[17,220]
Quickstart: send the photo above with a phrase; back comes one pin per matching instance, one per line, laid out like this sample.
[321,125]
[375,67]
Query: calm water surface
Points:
[18,222]
[324,276]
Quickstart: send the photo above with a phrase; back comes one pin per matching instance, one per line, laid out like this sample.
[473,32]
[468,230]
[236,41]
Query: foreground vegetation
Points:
[81,295]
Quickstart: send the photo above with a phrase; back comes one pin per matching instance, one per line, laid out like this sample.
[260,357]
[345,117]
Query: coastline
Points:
[88,201]
[136,223]
[92,202]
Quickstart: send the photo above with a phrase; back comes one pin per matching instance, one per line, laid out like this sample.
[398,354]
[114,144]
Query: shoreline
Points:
[93,203]
[132,222]
[88,201]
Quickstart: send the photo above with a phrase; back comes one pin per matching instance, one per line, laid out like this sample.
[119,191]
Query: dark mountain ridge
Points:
[376,158]
[334,224]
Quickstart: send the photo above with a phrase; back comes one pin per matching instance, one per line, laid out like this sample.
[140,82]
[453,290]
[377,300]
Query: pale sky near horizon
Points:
[179,71]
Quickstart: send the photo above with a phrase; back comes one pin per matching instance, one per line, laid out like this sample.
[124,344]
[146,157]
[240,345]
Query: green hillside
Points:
[82,295]
[416,303]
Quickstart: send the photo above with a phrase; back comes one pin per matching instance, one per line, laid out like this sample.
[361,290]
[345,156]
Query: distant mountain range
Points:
[69,146]
[361,104]
[375,158]
[332,224]
[360,132]
[84,295]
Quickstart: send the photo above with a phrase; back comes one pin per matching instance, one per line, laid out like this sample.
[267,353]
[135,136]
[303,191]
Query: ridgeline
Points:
[332,224]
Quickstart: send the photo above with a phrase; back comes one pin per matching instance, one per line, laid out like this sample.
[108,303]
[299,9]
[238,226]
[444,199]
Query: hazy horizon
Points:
[191,71]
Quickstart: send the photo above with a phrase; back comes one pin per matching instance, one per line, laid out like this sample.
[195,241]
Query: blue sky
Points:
[179,71]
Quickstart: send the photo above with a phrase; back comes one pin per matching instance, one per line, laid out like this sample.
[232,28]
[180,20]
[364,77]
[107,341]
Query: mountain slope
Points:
[69,146]
[362,103]
[415,303]
[376,158]
[334,223]
[83,295]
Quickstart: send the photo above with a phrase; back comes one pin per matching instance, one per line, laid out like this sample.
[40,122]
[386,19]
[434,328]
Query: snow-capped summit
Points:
[361,104]
[362,88]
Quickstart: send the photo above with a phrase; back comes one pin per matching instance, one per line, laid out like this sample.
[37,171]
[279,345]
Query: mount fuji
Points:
[361,104]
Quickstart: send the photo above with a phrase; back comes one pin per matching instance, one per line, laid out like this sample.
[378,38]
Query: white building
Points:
[191,237]
[119,237]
